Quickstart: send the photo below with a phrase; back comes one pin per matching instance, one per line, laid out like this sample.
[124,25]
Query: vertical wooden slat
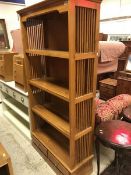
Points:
[72,73]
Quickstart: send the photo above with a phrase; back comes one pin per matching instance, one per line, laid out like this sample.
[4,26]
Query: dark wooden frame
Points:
[3,24]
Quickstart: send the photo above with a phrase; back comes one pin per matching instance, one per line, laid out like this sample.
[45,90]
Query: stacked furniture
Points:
[60,41]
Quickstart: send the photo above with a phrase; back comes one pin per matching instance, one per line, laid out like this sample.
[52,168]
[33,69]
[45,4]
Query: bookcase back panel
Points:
[83,147]
[48,32]
[37,66]
[84,76]
[84,114]
[85,29]
[58,70]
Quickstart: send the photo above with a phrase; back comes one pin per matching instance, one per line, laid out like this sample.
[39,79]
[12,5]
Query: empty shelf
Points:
[53,119]
[51,88]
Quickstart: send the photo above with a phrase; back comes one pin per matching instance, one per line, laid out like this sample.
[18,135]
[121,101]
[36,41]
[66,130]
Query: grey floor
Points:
[26,160]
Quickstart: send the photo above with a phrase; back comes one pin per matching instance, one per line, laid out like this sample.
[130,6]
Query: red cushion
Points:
[112,108]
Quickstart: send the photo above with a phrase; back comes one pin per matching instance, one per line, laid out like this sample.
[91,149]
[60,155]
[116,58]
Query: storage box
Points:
[6,66]
[19,72]
[108,88]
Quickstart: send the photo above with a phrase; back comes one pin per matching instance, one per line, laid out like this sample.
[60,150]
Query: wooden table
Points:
[5,162]
[114,134]
[126,114]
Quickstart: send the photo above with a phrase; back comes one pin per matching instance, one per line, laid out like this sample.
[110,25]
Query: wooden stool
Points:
[114,134]
[5,162]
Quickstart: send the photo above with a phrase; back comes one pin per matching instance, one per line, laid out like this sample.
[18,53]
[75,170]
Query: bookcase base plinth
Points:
[85,169]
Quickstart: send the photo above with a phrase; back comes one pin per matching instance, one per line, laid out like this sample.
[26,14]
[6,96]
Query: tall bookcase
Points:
[60,41]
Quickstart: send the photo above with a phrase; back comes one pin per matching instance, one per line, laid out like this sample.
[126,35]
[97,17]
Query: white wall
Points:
[8,12]
[115,8]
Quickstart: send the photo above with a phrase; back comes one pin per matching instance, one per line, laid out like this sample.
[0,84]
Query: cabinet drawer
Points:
[23,99]
[18,73]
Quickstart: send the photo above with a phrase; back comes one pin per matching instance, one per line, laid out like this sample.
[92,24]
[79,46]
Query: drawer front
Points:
[106,93]
[23,99]
[17,96]
[1,57]
[106,86]
[18,74]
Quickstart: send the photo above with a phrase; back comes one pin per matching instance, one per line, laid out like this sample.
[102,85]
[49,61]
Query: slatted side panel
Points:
[85,29]
[83,147]
[84,76]
[35,33]
[83,115]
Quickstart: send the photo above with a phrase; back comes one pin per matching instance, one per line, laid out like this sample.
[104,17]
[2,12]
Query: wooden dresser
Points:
[6,66]
[124,83]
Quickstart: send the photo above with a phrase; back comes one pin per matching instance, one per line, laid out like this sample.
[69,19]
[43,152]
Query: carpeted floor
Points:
[125,165]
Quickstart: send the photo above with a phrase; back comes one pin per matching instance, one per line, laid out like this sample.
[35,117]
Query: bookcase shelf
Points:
[47,86]
[60,41]
[53,119]
[51,53]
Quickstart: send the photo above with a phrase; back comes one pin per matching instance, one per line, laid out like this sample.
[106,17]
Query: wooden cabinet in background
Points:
[124,83]
[6,66]
[108,88]
[60,40]
[19,72]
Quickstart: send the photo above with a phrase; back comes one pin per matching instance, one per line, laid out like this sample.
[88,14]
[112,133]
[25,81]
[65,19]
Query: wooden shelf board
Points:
[51,88]
[53,119]
[51,53]
[59,150]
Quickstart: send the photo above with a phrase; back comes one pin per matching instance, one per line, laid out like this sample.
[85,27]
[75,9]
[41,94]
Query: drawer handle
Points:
[7,91]
[14,95]
[22,99]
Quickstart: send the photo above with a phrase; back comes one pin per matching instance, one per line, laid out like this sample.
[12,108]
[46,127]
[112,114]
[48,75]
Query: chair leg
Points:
[97,147]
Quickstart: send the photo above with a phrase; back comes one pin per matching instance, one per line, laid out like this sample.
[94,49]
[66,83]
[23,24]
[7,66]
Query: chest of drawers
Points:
[108,88]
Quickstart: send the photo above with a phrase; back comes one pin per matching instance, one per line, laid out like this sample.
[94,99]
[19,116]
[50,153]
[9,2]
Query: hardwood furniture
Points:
[126,114]
[60,41]
[6,65]
[19,72]
[15,106]
[114,134]
[124,83]
[107,88]
[5,162]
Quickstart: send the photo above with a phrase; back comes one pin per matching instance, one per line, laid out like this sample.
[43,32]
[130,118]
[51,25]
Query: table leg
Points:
[97,146]
[117,162]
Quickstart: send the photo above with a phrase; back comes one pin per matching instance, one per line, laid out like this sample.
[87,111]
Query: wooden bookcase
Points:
[60,41]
